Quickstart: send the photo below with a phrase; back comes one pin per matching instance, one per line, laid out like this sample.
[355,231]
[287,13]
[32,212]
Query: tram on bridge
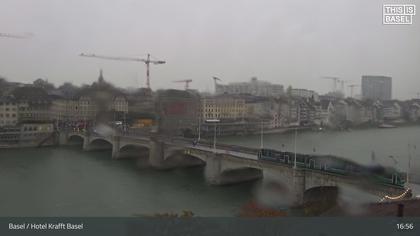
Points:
[335,165]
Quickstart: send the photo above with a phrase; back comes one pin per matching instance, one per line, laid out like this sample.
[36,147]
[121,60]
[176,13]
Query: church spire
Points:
[101,77]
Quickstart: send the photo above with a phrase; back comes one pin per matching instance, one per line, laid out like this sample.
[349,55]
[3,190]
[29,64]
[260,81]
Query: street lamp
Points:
[199,128]
[396,166]
[395,160]
[294,165]
[262,135]
[409,160]
[214,121]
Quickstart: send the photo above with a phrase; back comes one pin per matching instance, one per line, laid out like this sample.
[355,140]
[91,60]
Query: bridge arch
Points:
[176,157]
[134,151]
[196,158]
[196,154]
[75,139]
[241,174]
[99,144]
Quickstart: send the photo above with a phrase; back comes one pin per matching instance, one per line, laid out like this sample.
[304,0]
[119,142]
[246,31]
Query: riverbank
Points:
[26,145]
[46,142]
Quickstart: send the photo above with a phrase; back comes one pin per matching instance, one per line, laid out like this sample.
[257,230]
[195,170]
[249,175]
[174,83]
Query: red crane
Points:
[145,61]
[186,81]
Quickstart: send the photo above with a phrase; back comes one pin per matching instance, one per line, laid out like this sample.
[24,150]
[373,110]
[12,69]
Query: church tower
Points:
[101,77]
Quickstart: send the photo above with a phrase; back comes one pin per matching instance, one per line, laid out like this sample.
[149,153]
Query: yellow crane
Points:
[146,61]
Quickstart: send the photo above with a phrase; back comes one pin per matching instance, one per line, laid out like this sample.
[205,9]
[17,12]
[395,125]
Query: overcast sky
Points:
[291,42]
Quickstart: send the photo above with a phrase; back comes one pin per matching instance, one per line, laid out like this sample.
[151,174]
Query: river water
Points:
[357,145]
[59,181]
[70,182]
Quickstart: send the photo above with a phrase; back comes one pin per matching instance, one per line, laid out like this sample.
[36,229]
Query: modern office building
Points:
[376,87]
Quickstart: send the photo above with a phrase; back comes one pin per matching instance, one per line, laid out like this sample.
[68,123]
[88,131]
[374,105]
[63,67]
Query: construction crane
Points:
[335,81]
[215,79]
[342,84]
[145,61]
[352,86]
[186,81]
[15,36]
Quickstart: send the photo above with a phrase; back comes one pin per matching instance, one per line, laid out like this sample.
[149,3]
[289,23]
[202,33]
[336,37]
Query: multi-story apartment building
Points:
[304,93]
[119,104]
[413,110]
[8,111]
[304,112]
[35,131]
[33,104]
[391,110]
[254,87]
[92,103]
[223,107]
[78,109]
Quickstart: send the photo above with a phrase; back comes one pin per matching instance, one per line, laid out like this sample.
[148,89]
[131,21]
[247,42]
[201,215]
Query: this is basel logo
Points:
[398,14]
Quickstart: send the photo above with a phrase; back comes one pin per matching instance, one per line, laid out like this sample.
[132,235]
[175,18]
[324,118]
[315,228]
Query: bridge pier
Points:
[213,170]
[291,183]
[164,156]
[62,138]
[156,154]
[86,146]
[298,186]
[115,147]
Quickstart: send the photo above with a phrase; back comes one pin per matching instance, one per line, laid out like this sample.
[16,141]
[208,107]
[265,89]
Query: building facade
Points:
[178,112]
[304,93]
[8,111]
[376,87]
[223,107]
[100,102]
[254,87]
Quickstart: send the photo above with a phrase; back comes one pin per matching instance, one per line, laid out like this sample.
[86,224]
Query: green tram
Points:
[333,164]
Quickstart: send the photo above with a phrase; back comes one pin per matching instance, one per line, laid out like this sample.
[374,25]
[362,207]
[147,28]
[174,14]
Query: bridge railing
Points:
[331,164]
[229,147]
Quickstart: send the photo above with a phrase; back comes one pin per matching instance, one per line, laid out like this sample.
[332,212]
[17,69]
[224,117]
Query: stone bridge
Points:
[161,152]
[226,166]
